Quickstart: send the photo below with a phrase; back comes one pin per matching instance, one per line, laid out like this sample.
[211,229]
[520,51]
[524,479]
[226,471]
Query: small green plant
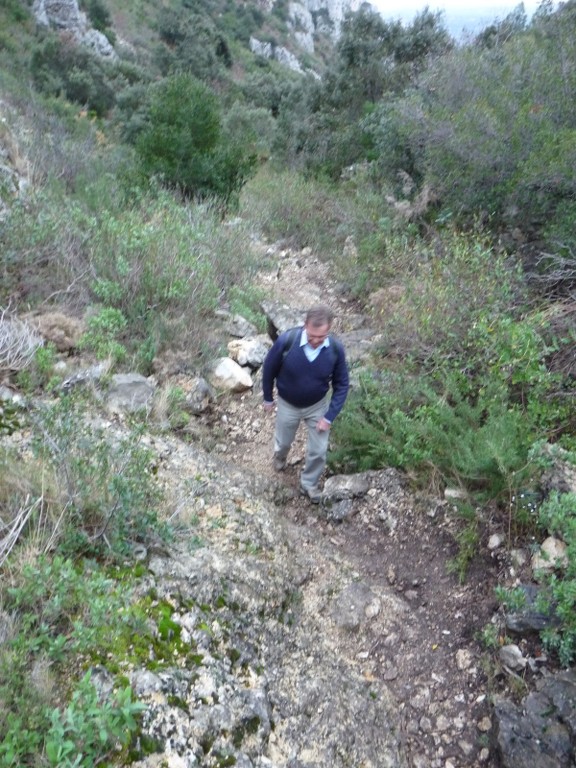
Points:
[490,637]
[468,540]
[246,301]
[40,372]
[10,417]
[513,599]
[177,415]
[558,517]
[102,334]
[89,729]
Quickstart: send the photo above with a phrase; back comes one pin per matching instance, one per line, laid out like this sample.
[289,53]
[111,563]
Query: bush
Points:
[441,438]
[557,516]
[62,66]
[99,15]
[475,389]
[108,496]
[181,142]
[103,331]
[162,267]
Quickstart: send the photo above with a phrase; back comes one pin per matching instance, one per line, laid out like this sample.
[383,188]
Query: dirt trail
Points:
[432,661]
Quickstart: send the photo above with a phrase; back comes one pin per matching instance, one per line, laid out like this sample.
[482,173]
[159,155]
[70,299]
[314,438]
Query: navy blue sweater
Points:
[303,383]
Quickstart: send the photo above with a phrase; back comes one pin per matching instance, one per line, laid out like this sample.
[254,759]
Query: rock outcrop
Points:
[66,16]
[307,20]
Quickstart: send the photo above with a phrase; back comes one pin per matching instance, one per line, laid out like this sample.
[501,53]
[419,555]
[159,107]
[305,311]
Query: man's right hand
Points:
[268,407]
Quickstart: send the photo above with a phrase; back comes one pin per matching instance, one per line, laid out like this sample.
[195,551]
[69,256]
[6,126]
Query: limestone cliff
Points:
[66,15]
[307,19]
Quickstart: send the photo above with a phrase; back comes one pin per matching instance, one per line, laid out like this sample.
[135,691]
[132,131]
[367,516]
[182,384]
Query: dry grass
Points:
[18,342]
[30,511]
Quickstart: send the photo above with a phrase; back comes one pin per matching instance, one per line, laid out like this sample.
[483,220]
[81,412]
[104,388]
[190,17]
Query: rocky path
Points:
[422,637]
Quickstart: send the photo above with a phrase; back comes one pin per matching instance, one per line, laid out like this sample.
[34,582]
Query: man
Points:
[305,364]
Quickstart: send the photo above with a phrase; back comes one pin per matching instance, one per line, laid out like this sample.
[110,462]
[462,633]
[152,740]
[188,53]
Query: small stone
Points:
[511,656]
[552,555]
[484,755]
[454,493]
[442,723]
[464,659]
[373,609]
[420,699]
[485,725]
[495,541]
[425,724]
[412,727]
[519,557]
[466,747]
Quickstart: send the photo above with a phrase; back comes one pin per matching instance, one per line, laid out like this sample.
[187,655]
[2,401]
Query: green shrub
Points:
[247,301]
[468,541]
[40,373]
[103,331]
[108,494]
[65,614]
[437,436]
[306,212]
[64,67]
[98,13]
[557,596]
[181,142]
[448,287]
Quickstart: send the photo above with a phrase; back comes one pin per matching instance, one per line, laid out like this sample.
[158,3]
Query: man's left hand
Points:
[323,425]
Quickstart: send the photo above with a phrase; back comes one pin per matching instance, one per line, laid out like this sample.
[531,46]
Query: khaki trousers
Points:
[288,418]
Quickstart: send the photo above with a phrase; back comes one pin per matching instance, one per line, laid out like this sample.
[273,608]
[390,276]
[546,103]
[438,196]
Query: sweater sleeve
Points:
[271,367]
[340,385]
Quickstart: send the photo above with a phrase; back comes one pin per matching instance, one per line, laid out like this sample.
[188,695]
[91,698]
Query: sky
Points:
[470,14]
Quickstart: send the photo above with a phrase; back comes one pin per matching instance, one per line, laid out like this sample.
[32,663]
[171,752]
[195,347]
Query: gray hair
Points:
[319,315]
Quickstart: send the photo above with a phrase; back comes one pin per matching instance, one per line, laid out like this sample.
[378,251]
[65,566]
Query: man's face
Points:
[316,334]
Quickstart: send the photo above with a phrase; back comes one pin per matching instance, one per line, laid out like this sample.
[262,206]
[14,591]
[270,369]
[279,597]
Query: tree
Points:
[192,43]
[182,144]
[323,127]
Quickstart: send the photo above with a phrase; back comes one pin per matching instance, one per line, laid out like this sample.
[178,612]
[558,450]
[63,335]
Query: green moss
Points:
[234,654]
[246,728]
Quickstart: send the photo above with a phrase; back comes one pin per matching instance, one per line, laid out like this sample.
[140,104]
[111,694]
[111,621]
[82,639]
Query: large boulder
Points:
[225,374]
[540,732]
[281,318]
[129,392]
[249,351]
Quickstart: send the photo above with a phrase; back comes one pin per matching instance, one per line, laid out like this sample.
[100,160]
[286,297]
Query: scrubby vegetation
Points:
[438,179]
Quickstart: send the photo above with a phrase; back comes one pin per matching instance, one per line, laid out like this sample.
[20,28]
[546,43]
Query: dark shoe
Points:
[314,494]
[279,464]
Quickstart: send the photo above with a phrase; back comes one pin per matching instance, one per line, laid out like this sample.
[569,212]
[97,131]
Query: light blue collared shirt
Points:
[309,351]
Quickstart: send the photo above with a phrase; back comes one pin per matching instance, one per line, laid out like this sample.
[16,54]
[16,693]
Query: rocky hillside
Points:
[318,636]
[297,28]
